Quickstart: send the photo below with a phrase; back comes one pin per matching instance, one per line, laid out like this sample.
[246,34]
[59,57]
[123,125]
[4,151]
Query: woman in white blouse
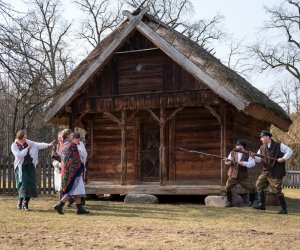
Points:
[26,159]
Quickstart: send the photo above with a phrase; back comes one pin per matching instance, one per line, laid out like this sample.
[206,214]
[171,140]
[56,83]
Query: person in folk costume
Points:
[273,170]
[238,172]
[71,174]
[83,157]
[56,163]
[26,159]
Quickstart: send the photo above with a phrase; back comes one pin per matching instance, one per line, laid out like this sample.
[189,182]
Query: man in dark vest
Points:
[273,170]
[238,163]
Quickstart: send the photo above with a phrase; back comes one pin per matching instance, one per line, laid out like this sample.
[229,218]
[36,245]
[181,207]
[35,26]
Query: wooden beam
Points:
[223,141]
[174,113]
[111,116]
[213,112]
[162,147]
[124,148]
[154,115]
[189,66]
[96,65]
[72,119]
[92,138]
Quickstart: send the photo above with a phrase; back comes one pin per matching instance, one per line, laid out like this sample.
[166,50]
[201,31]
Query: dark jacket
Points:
[272,168]
[236,170]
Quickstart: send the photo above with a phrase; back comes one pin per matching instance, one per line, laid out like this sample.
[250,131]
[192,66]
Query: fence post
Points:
[44,177]
[4,167]
[38,178]
[1,167]
[49,175]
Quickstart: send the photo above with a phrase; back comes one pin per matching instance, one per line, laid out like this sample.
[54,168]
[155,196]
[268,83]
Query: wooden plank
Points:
[44,167]
[98,187]
[92,138]
[162,147]
[188,65]
[124,148]
[172,150]
[96,65]
[223,141]
[50,174]
[1,167]
[15,191]
[4,169]
[38,178]
[9,176]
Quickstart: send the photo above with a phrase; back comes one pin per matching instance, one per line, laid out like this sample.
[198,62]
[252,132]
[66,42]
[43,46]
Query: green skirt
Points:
[27,187]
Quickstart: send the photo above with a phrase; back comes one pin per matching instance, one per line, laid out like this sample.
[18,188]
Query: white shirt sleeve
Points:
[17,152]
[258,159]
[82,152]
[250,163]
[286,150]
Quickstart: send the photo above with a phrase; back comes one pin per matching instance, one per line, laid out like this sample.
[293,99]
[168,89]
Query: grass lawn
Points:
[115,225]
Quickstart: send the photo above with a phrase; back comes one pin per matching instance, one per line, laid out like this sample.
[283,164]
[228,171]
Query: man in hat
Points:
[273,170]
[238,163]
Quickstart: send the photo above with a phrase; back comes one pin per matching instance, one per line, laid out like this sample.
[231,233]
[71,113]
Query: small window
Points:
[138,67]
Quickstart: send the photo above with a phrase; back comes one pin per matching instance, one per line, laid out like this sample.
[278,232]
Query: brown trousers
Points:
[275,184]
[246,183]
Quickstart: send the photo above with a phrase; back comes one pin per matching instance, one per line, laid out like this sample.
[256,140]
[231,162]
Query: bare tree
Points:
[281,52]
[34,59]
[287,94]
[101,18]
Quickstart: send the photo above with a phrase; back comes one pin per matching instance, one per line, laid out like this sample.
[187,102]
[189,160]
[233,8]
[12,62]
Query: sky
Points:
[242,19]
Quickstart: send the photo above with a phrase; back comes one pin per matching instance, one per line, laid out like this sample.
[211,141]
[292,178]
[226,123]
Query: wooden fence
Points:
[44,177]
[292,179]
[45,174]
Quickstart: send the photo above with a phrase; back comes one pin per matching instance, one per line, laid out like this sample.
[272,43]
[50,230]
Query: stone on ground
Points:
[140,199]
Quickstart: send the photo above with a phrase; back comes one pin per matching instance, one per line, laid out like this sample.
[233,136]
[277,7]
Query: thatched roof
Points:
[195,59]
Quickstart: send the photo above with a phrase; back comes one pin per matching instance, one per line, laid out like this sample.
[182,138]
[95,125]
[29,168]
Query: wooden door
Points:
[149,151]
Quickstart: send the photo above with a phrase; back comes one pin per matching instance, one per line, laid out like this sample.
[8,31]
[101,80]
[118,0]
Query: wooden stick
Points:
[202,153]
[255,154]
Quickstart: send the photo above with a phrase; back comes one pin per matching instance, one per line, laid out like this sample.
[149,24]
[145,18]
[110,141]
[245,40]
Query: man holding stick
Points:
[238,163]
[273,169]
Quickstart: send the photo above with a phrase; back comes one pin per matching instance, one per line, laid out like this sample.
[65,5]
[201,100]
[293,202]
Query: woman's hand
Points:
[51,144]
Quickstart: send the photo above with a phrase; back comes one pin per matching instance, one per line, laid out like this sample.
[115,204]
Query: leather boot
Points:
[283,209]
[81,210]
[58,208]
[262,201]
[251,199]
[20,201]
[25,205]
[70,202]
[229,198]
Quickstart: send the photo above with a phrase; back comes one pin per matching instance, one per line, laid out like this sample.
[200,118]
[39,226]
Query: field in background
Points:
[115,225]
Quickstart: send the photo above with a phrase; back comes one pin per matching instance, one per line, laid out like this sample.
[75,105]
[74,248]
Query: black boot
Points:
[26,202]
[82,201]
[20,201]
[251,199]
[229,198]
[283,209]
[262,201]
[81,210]
[58,208]
[70,202]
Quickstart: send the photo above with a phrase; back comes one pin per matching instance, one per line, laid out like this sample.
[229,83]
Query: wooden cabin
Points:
[144,92]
